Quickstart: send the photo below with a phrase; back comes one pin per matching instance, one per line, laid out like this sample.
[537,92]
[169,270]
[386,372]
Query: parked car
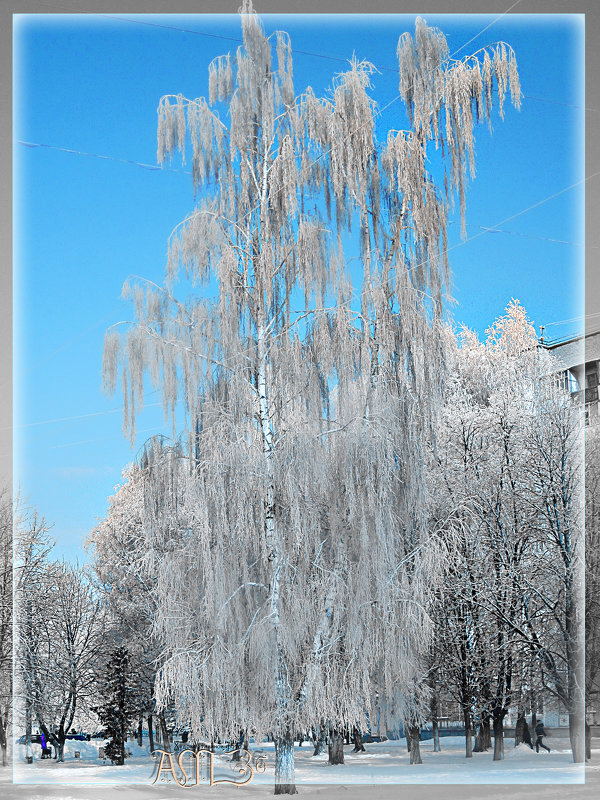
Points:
[35,738]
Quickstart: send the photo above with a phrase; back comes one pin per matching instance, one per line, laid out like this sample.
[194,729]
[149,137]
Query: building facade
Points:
[580,360]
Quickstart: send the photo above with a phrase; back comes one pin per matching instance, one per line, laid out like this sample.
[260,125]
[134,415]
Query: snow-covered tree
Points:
[290,526]
[512,444]
[117,547]
[32,547]
[118,705]
[59,636]
[555,495]
[592,573]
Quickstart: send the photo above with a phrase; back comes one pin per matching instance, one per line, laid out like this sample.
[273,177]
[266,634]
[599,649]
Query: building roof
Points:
[592,347]
[571,352]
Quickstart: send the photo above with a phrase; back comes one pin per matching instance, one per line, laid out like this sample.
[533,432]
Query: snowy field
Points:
[384,765]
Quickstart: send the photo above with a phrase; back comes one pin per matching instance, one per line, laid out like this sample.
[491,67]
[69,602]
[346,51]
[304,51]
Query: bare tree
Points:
[554,492]
[59,637]
[518,442]
[309,394]
[31,550]
[592,573]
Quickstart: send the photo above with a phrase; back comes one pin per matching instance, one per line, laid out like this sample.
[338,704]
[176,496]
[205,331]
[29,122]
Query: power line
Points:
[74,417]
[573,319]
[325,56]
[341,60]
[151,167]
[378,113]
[493,22]
[489,229]
[560,103]
[517,214]
[484,228]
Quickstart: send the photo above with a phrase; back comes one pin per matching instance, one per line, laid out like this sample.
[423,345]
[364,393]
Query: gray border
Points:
[592,282]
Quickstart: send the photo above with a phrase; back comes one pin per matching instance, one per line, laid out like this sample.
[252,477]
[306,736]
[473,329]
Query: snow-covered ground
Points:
[384,765]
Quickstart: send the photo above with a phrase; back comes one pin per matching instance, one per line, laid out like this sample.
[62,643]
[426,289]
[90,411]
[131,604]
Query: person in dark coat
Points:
[527,735]
[540,732]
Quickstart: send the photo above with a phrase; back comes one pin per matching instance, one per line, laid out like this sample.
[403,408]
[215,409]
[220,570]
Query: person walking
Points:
[527,735]
[540,733]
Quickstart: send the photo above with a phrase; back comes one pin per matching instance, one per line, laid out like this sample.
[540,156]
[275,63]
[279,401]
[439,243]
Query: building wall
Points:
[580,360]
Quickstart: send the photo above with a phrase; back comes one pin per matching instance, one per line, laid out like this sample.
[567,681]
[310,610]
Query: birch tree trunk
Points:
[284,765]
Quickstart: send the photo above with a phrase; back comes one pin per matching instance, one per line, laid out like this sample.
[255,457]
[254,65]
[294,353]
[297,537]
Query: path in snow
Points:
[384,766]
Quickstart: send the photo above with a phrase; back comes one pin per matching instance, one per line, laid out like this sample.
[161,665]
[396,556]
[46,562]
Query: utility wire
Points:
[325,56]
[492,229]
[573,319]
[493,22]
[340,60]
[378,113]
[514,216]
[151,167]
[152,405]
[76,416]
[485,228]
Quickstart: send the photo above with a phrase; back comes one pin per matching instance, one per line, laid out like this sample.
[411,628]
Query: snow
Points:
[385,763]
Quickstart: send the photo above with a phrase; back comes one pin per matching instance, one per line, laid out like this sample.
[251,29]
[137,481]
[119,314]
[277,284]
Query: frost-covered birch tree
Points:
[290,523]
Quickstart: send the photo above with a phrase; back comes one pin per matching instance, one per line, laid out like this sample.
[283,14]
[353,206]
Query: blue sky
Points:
[91,84]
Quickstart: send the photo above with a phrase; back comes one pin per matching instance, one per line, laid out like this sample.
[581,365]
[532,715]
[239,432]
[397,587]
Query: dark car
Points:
[79,737]
[35,738]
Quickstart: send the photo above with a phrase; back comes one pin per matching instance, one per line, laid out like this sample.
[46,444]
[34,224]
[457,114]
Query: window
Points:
[573,382]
